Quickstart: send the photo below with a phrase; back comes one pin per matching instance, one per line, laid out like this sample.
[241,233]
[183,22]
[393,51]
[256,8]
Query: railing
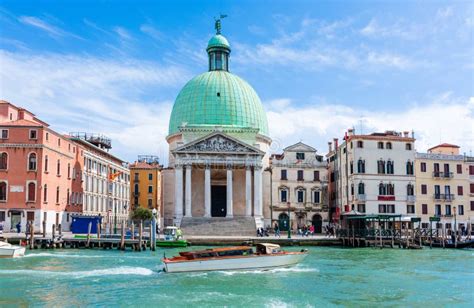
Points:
[441,174]
[387,233]
[446,197]
[411,199]
[361,197]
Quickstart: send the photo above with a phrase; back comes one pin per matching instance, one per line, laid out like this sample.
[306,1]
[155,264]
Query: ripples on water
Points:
[328,277]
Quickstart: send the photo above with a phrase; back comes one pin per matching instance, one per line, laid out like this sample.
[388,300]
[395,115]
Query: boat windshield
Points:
[169,231]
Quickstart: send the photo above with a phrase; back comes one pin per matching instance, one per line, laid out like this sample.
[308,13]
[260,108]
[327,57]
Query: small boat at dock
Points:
[172,238]
[8,250]
[266,256]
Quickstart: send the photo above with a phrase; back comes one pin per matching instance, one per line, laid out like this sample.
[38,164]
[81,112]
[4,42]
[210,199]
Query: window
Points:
[471,170]
[47,136]
[316,196]
[408,146]
[448,209]
[59,142]
[423,167]
[382,189]
[471,188]
[472,205]
[423,189]
[360,144]
[448,225]
[381,167]
[58,171]
[136,177]
[3,161]
[409,168]
[361,189]
[361,208]
[300,156]
[460,209]
[446,170]
[425,225]
[424,209]
[351,167]
[386,189]
[460,192]
[361,166]
[316,176]
[352,189]
[388,146]
[68,171]
[410,190]
[4,134]
[33,134]
[31,194]
[380,145]
[57,195]
[386,208]
[45,193]
[389,167]
[67,197]
[283,174]
[3,191]
[410,209]
[436,172]
[300,175]
[150,203]
[300,196]
[150,176]
[283,195]
[46,163]
[150,189]
[32,162]
[459,169]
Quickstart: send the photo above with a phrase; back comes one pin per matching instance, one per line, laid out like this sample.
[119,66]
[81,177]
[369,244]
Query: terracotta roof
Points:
[445,145]
[22,122]
[143,165]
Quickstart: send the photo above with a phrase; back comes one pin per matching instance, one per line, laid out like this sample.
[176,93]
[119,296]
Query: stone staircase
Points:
[237,226]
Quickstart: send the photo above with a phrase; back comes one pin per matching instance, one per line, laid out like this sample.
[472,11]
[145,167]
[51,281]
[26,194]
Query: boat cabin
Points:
[268,249]
[217,252]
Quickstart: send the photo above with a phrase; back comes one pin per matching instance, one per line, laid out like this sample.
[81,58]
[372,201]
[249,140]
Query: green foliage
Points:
[141,213]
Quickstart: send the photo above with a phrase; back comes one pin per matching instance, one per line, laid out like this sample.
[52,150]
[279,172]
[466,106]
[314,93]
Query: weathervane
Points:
[218,23]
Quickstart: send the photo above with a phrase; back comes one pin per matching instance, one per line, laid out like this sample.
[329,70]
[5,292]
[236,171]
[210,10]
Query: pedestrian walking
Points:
[18,227]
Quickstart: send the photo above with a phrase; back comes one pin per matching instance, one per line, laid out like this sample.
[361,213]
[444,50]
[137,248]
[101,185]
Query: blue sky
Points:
[319,67]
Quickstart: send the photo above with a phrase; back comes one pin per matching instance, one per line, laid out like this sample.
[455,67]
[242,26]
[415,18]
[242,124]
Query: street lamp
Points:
[289,220]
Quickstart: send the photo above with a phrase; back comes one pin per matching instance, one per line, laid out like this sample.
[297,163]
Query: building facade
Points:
[298,188]
[218,141]
[443,187]
[105,179]
[372,174]
[38,170]
[145,183]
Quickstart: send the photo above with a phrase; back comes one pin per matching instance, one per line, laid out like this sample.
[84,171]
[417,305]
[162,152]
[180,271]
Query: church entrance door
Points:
[218,201]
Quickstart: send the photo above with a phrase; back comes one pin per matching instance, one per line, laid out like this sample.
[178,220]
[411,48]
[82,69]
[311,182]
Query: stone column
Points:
[257,191]
[230,205]
[188,192]
[248,192]
[178,191]
[207,191]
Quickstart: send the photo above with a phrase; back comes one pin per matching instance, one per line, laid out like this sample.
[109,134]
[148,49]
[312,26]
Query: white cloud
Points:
[123,33]
[443,119]
[399,29]
[81,93]
[43,25]
[151,31]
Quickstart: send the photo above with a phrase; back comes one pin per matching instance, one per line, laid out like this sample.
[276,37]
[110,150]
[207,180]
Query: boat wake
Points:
[271,271]
[123,270]
[59,255]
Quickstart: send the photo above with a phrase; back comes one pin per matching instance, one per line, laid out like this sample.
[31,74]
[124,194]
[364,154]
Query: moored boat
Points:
[172,237]
[8,250]
[266,256]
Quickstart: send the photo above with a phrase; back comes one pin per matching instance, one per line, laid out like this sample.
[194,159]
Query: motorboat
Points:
[266,256]
[8,250]
[171,238]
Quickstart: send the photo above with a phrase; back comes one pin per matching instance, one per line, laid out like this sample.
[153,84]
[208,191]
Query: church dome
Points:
[217,97]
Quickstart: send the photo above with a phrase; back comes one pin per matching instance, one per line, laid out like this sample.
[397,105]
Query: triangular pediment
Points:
[218,143]
[299,147]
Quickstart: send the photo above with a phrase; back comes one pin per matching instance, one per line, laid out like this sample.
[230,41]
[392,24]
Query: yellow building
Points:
[145,181]
[443,188]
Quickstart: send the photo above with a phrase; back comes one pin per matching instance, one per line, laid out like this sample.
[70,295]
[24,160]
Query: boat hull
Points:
[178,243]
[237,263]
[12,252]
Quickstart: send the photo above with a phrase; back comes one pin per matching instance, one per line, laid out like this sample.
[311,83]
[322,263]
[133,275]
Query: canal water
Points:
[328,277]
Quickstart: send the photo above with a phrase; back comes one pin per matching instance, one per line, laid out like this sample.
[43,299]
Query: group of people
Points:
[261,232]
[330,230]
[306,230]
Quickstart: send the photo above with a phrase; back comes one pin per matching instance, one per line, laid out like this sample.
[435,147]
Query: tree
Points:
[141,213]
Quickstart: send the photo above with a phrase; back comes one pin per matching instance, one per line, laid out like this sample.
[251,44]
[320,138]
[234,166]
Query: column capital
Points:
[207,165]
[229,166]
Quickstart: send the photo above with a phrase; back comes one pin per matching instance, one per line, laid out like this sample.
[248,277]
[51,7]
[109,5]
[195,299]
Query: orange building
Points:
[40,172]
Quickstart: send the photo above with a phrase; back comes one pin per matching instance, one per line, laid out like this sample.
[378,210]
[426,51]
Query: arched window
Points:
[46,161]
[390,189]
[389,167]
[68,171]
[351,167]
[32,162]
[409,168]
[58,171]
[67,197]
[361,166]
[388,146]
[382,190]
[380,145]
[3,191]
[57,194]
[381,166]
[31,192]
[45,193]
[352,189]
[361,189]
[3,161]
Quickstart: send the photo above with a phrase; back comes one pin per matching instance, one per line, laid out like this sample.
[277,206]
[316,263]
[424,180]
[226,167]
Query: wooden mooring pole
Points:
[89,229]
[44,229]
[32,236]
[140,236]
[53,235]
[98,233]
[122,238]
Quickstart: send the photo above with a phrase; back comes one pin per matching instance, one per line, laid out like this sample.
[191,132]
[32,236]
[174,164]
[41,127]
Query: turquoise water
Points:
[328,277]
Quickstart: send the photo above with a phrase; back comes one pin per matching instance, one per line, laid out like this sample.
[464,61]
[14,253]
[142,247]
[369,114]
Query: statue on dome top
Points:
[218,25]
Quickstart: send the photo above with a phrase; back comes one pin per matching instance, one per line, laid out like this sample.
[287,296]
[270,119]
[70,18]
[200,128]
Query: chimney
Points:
[330,146]
[350,131]
[405,134]
[336,143]
[413,134]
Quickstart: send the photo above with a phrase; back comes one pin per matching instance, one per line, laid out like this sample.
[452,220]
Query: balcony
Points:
[361,197]
[442,175]
[136,194]
[411,199]
[444,197]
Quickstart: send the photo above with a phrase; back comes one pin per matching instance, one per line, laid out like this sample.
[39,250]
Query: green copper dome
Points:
[218,40]
[218,98]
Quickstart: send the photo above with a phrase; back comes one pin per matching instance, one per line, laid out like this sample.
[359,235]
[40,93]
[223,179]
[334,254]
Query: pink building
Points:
[40,172]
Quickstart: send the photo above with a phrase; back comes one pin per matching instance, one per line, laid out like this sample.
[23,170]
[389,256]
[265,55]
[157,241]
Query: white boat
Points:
[8,250]
[266,256]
